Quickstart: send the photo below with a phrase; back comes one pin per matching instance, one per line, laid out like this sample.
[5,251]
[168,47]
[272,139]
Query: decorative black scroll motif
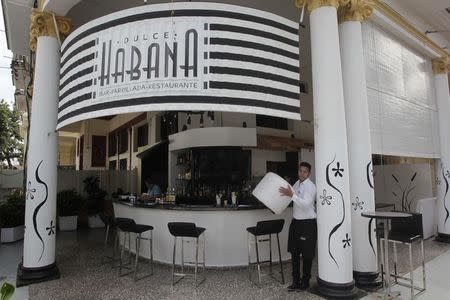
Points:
[368,171]
[346,241]
[50,228]
[358,204]
[370,235]
[338,171]
[405,191]
[36,210]
[446,192]
[325,198]
[30,191]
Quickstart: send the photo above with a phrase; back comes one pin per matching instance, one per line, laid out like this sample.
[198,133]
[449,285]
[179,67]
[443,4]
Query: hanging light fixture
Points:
[212,116]
[188,121]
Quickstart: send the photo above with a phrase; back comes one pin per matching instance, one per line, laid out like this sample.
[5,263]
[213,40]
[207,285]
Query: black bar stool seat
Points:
[265,228]
[186,230]
[128,226]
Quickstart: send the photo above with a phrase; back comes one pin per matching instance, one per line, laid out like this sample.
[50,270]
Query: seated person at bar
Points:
[153,190]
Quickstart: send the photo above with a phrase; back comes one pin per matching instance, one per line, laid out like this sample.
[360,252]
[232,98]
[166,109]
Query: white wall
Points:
[404,186]
[401,98]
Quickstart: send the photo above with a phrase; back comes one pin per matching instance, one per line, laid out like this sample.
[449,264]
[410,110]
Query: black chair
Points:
[265,228]
[128,226]
[186,230]
[110,223]
[406,231]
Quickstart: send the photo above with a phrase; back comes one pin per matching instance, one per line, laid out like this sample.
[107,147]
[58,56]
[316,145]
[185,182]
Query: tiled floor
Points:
[83,276]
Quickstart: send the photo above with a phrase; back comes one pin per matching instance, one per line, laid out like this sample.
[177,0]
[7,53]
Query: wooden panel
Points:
[282,143]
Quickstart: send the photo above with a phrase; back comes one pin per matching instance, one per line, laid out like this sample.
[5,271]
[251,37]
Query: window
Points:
[123,140]
[113,165]
[112,144]
[142,135]
[271,122]
[123,164]
[98,154]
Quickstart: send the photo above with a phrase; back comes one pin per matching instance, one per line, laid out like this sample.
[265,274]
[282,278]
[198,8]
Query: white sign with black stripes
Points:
[181,56]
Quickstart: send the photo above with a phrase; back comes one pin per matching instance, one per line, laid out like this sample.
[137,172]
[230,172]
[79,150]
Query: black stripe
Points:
[253,88]
[252,73]
[252,45]
[77,63]
[181,99]
[75,101]
[76,51]
[253,59]
[179,13]
[83,72]
[78,87]
[251,31]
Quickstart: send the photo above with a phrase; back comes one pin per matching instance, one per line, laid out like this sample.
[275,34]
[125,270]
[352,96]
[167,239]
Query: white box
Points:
[267,192]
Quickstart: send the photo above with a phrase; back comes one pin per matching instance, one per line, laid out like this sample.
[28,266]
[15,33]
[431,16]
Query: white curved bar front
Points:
[226,234]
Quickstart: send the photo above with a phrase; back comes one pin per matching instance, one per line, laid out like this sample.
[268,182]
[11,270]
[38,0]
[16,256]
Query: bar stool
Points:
[186,230]
[110,223]
[128,226]
[265,228]
[406,231]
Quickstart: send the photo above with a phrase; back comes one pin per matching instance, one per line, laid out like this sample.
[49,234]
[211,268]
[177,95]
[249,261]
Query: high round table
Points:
[386,217]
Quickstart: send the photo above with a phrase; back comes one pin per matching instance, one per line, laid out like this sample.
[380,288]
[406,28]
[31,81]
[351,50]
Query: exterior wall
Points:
[402,105]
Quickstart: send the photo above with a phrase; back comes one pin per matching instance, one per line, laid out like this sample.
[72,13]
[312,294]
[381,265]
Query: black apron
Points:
[303,237]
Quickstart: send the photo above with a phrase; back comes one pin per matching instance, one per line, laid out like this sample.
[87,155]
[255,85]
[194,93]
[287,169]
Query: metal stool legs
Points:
[183,262]
[410,285]
[106,258]
[258,262]
[138,239]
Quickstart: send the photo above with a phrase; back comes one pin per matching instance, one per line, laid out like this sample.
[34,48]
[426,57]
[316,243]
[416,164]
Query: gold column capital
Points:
[355,10]
[313,4]
[441,65]
[43,24]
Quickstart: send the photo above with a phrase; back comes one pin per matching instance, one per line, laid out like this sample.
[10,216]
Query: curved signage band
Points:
[181,56]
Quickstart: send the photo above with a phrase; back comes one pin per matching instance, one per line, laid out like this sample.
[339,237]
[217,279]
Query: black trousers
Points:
[302,241]
[307,264]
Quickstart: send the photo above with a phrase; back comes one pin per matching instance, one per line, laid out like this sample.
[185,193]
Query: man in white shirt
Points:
[303,229]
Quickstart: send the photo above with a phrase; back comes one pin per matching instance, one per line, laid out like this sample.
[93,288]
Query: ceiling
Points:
[87,10]
[434,13]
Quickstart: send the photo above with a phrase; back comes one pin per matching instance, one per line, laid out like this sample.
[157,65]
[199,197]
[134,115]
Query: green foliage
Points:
[6,291]
[11,145]
[12,211]
[69,203]
[96,196]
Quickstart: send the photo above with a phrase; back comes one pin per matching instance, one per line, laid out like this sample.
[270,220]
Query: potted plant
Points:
[69,203]
[7,291]
[12,217]
[95,201]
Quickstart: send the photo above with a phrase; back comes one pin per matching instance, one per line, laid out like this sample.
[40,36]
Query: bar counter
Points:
[226,234]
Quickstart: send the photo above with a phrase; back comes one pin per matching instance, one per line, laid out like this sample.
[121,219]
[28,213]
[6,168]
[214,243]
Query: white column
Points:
[362,198]
[40,212]
[331,158]
[443,167]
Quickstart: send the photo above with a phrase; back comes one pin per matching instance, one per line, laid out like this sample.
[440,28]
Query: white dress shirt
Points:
[304,198]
